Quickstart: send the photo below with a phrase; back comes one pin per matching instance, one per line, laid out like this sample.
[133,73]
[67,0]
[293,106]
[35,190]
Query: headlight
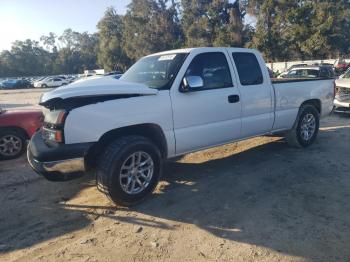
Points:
[53,125]
[55,118]
[52,135]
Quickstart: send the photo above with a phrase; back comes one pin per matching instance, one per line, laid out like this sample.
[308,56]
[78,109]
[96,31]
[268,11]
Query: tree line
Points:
[281,29]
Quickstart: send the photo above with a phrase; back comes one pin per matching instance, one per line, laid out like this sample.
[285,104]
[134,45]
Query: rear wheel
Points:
[12,143]
[129,170]
[43,85]
[305,129]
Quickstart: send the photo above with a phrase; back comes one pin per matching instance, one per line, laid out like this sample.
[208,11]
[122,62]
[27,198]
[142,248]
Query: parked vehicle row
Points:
[166,105]
[309,70]
[30,82]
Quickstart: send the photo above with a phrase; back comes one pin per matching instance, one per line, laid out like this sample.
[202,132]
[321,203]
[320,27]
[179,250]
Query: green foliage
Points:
[151,26]
[111,53]
[73,53]
[25,57]
[212,23]
[284,29]
[299,29]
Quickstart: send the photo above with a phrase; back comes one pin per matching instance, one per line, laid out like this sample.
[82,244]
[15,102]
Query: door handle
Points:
[233,98]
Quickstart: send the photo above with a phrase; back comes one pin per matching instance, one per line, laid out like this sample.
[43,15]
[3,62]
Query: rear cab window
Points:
[248,67]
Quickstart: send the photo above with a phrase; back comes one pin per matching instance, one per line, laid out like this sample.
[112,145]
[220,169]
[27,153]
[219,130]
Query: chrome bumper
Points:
[61,170]
[338,103]
[341,107]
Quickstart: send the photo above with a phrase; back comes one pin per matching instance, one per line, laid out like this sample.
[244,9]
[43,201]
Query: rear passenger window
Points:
[213,68]
[248,68]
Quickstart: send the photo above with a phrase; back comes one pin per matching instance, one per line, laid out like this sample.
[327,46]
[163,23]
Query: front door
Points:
[210,115]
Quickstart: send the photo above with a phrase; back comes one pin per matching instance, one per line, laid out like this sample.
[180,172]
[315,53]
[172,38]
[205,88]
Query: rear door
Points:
[210,115]
[257,95]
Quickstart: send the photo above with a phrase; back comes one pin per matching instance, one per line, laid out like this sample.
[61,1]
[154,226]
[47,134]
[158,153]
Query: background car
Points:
[16,127]
[50,82]
[341,66]
[309,72]
[15,83]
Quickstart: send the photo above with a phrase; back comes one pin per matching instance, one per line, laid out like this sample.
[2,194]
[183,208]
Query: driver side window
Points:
[212,68]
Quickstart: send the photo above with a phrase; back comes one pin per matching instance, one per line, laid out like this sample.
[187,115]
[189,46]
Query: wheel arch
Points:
[149,130]
[313,102]
[17,128]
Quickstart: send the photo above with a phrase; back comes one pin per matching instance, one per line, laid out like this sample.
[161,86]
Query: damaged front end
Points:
[48,153]
[342,100]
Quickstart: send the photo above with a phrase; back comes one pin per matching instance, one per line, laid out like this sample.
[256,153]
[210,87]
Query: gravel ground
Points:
[256,200]
[21,98]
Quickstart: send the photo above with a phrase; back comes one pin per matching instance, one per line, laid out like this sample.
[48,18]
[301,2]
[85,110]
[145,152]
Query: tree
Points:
[231,31]
[319,28]
[49,42]
[151,26]
[25,58]
[111,54]
[212,22]
[88,49]
[269,28]
[298,29]
[78,52]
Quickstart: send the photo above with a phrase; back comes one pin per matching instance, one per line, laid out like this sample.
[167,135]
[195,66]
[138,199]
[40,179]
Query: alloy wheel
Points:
[10,145]
[136,172]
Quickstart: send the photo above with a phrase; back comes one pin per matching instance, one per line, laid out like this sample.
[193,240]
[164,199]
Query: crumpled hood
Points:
[343,90]
[343,82]
[97,86]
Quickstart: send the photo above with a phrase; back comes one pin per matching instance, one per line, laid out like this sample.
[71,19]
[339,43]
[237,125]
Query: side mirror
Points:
[191,83]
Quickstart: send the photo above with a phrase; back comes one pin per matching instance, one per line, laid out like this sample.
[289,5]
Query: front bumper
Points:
[341,106]
[58,162]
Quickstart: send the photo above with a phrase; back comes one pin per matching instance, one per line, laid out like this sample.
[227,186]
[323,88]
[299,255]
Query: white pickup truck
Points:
[166,105]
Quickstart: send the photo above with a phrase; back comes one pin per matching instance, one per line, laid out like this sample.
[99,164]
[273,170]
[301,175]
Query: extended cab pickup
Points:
[166,105]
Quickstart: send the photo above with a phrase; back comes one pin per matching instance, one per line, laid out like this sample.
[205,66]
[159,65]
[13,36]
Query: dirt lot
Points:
[21,98]
[257,200]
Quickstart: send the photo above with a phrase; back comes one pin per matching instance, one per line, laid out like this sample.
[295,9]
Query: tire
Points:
[117,168]
[43,85]
[12,143]
[308,121]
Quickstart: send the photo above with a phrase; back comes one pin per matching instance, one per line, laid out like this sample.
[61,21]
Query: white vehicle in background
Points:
[166,105]
[313,71]
[342,97]
[50,82]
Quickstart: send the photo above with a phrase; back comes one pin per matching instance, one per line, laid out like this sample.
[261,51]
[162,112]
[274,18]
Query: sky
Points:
[23,19]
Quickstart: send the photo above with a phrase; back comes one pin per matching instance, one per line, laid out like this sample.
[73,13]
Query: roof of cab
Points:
[188,50]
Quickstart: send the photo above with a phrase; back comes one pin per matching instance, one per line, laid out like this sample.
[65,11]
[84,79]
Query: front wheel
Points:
[305,129]
[129,170]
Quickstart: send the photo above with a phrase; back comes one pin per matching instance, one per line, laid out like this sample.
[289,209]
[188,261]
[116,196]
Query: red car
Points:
[16,127]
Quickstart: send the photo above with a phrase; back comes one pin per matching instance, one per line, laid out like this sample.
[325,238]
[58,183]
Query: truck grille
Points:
[343,94]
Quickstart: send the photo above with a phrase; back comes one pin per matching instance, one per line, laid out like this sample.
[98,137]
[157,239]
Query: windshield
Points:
[156,71]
